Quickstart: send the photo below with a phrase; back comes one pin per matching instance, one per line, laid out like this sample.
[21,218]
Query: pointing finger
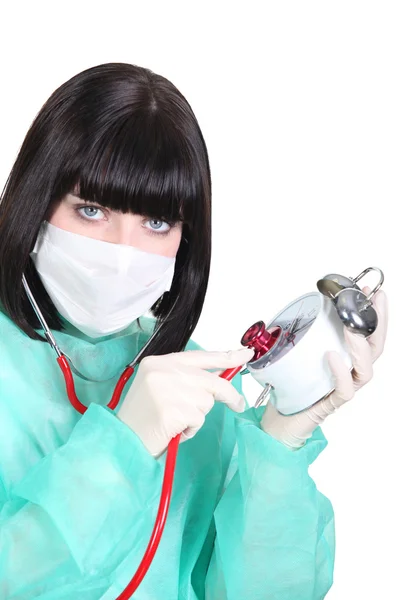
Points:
[214,360]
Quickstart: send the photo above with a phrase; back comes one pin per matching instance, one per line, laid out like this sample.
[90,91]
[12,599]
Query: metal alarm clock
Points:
[290,350]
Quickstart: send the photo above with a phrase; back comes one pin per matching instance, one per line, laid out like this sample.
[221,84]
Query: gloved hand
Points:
[172,394]
[294,430]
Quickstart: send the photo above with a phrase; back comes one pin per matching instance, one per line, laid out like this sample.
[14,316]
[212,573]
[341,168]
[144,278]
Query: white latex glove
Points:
[294,430]
[172,394]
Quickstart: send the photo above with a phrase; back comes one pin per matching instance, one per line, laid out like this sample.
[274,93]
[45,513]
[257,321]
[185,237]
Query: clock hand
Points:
[304,326]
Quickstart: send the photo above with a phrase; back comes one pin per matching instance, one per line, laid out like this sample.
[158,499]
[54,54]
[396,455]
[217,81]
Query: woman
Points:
[107,214]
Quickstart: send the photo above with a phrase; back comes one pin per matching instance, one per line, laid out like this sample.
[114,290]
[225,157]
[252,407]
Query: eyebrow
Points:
[75,196]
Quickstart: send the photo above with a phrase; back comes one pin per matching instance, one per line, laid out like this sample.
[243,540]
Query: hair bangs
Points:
[149,170]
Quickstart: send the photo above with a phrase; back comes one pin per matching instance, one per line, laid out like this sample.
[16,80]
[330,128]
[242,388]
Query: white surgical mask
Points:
[99,287]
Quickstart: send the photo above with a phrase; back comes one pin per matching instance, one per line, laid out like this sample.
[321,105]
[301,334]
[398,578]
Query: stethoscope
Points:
[67,367]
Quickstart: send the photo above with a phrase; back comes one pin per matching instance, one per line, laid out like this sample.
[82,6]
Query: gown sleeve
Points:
[67,525]
[274,531]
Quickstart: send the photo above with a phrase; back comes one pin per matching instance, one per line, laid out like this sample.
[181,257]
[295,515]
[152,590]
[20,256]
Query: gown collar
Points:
[100,359]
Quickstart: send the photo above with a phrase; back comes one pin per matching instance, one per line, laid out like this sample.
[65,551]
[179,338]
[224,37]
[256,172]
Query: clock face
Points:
[295,320]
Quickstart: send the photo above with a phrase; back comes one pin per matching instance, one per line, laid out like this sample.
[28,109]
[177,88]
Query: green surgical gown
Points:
[79,493]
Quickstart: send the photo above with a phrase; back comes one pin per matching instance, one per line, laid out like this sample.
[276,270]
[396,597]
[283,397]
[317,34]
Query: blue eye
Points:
[90,213]
[156,226]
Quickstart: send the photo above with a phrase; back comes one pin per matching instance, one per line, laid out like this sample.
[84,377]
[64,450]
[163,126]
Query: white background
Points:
[299,103]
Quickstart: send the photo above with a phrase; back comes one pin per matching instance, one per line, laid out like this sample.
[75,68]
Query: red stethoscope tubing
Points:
[168,472]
